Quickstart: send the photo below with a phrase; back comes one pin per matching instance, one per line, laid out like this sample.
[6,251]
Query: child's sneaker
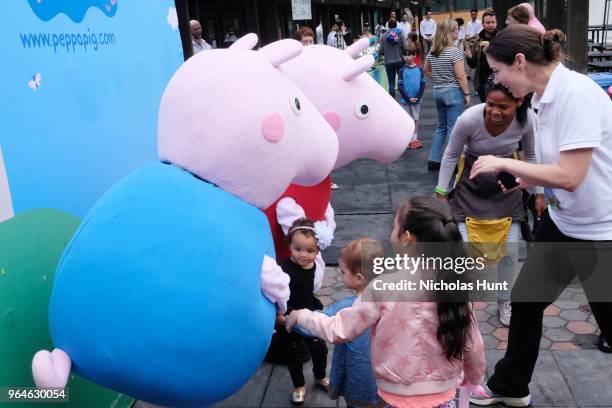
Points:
[415,144]
[505,312]
[488,397]
[298,397]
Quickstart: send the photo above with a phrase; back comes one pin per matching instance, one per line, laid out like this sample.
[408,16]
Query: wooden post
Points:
[500,7]
[325,12]
[182,12]
[252,20]
[571,17]
[193,10]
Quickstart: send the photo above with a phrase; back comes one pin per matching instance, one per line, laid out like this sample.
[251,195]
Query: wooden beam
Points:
[500,7]
[251,17]
[182,12]
[571,17]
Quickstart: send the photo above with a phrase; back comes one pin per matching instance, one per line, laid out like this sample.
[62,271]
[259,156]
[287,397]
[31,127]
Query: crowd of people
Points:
[541,132]
[545,127]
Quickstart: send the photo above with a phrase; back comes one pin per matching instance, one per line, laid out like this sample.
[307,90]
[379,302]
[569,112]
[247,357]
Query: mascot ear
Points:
[246,42]
[282,51]
[358,46]
[357,67]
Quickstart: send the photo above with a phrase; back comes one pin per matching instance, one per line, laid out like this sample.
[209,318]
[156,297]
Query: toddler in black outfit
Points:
[300,267]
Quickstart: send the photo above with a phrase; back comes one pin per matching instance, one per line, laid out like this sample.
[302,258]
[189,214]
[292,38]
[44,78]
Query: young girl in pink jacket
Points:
[419,348]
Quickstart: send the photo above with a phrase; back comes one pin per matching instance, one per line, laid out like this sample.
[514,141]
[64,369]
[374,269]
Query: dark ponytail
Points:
[553,42]
[430,221]
[540,49]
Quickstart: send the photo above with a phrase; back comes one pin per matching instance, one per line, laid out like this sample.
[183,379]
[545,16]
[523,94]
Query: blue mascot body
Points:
[160,286]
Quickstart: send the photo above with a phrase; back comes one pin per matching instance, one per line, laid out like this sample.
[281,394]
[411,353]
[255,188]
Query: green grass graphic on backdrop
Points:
[31,245]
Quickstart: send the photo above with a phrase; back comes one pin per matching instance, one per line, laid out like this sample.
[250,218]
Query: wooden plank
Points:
[600,66]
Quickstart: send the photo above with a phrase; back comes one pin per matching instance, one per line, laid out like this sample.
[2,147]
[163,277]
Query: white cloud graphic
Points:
[172,18]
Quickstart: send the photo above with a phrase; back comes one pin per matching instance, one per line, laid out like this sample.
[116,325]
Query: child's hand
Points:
[413,100]
[540,205]
[292,320]
[280,320]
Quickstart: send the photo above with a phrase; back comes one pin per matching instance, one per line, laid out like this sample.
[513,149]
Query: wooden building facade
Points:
[272,19]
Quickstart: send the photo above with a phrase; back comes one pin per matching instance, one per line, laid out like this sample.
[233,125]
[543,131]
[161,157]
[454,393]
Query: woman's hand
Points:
[487,164]
[466,100]
[521,185]
[540,205]
[292,319]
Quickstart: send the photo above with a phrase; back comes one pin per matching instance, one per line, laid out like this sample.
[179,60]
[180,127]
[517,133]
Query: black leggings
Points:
[318,351]
[548,270]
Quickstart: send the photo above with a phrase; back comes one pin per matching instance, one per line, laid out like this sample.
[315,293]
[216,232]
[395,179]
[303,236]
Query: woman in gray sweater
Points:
[492,128]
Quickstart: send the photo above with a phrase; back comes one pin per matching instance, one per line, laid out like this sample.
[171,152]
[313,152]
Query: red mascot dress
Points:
[297,202]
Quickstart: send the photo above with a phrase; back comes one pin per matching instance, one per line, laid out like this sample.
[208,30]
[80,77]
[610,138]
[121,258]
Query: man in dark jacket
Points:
[476,57]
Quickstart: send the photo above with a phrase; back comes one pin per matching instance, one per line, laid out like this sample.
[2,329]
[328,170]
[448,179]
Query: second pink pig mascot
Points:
[368,123]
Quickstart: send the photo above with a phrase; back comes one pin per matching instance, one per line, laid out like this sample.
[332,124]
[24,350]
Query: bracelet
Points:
[466,93]
[440,191]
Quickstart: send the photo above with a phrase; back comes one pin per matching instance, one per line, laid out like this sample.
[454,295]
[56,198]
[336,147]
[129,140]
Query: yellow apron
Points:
[487,238]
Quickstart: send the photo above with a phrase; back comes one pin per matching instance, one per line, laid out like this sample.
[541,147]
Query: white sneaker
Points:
[334,186]
[505,311]
[487,397]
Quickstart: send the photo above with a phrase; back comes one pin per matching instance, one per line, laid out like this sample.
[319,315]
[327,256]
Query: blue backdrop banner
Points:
[81,85]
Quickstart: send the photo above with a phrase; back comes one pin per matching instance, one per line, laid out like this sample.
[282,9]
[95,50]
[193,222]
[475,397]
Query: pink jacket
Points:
[407,359]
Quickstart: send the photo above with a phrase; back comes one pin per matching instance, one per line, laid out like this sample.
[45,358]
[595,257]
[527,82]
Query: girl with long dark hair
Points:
[419,347]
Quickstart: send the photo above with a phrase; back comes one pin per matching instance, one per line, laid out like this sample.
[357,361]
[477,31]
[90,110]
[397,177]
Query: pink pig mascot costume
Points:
[368,123]
[169,288]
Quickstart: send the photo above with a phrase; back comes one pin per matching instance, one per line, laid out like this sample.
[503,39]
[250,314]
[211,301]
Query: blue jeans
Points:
[449,103]
[392,72]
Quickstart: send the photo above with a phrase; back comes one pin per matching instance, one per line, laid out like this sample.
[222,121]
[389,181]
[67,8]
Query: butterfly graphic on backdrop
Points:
[34,83]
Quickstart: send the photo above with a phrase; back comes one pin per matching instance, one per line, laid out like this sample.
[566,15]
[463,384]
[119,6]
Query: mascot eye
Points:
[296,105]
[362,110]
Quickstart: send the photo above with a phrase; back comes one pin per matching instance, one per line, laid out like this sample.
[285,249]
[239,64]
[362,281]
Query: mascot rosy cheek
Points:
[169,288]
[368,124]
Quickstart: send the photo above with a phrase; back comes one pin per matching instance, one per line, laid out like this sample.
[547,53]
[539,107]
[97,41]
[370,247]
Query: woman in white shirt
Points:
[335,37]
[461,38]
[574,147]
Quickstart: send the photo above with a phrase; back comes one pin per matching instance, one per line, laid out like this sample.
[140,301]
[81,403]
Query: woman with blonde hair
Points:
[445,65]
